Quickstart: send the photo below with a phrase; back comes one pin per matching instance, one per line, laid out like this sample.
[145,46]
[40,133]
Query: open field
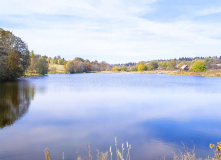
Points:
[56,69]
[209,73]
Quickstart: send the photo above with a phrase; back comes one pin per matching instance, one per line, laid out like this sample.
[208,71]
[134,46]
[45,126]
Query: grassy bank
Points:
[208,73]
[31,74]
[56,69]
[59,69]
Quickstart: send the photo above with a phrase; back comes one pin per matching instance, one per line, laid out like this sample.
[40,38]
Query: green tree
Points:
[13,66]
[181,64]
[134,69]
[14,56]
[172,64]
[150,67]
[33,60]
[115,69]
[141,67]
[123,68]
[154,64]
[42,66]
[198,66]
[164,64]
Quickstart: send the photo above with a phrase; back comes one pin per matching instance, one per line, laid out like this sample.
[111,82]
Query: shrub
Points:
[198,66]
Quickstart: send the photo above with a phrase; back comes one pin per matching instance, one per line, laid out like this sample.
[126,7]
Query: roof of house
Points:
[184,66]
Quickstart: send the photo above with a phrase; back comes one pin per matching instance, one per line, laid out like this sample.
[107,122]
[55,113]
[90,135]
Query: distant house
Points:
[184,67]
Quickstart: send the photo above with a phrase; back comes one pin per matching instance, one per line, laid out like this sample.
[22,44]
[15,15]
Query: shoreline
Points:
[208,73]
[59,69]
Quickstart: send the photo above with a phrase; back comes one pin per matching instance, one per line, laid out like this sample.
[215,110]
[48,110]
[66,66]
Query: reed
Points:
[100,155]
[185,154]
[47,154]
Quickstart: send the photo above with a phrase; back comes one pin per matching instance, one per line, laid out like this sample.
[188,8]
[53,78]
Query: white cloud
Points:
[209,11]
[107,30]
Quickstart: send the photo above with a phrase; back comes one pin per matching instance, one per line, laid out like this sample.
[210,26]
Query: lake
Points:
[155,113]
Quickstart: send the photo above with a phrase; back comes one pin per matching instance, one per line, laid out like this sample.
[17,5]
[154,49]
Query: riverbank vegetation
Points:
[123,153]
[118,153]
[14,56]
[16,61]
[198,66]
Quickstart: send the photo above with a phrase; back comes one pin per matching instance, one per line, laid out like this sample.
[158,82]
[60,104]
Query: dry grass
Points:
[209,73]
[100,155]
[47,154]
[56,68]
[188,154]
[185,154]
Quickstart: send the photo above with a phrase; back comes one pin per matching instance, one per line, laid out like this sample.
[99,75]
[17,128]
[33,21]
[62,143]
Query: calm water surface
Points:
[154,113]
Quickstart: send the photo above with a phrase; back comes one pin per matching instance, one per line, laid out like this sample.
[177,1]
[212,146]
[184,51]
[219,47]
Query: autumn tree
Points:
[79,65]
[123,68]
[14,56]
[172,64]
[154,64]
[181,64]
[115,69]
[42,66]
[141,67]
[198,66]
[164,64]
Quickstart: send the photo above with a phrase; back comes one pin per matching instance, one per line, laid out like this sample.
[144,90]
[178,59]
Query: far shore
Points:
[208,73]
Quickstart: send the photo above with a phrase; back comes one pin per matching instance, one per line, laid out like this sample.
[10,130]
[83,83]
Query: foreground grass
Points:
[122,154]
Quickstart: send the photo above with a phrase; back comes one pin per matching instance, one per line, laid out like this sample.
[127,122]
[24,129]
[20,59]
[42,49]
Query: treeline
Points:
[38,64]
[57,60]
[15,60]
[203,63]
[80,65]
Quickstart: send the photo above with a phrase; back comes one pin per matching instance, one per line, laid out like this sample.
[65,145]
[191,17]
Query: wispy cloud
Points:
[114,30]
[209,11]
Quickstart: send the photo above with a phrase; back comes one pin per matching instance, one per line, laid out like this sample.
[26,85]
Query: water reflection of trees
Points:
[15,98]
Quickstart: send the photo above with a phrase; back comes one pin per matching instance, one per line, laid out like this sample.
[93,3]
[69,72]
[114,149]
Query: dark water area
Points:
[154,113]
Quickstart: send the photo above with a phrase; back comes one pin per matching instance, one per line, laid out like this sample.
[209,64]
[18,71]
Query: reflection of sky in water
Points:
[153,112]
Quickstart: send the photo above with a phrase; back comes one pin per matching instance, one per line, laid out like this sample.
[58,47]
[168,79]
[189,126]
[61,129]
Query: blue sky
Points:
[116,31]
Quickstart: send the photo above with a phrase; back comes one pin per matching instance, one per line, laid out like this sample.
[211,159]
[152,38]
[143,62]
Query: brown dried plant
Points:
[100,155]
[47,154]
[217,151]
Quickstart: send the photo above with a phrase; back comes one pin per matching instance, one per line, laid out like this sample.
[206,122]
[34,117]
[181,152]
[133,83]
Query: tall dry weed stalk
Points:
[111,153]
[100,155]
[63,156]
[89,152]
[47,154]
[217,151]
[187,154]
[190,154]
